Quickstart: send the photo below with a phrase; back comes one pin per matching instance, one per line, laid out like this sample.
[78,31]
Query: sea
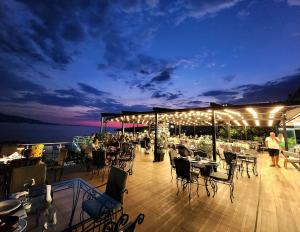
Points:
[42,133]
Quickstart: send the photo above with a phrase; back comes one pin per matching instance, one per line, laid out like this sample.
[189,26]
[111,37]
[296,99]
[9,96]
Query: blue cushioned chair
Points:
[111,201]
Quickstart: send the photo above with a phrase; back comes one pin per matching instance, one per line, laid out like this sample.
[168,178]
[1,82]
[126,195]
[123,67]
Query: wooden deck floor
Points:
[268,202]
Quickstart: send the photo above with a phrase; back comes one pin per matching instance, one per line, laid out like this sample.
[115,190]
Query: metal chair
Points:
[127,160]
[110,203]
[22,175]
[220,153]
[224,178]
[172,156]
[58,164]
[291,157]
[183,151]
[123,224]
[185,175]
[99,161]
[249,157]
[229,157]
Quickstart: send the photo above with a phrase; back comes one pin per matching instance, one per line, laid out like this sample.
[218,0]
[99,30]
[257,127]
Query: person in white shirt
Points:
[272,143]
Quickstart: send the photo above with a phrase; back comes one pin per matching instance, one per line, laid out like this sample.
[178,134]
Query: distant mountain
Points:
[18,119]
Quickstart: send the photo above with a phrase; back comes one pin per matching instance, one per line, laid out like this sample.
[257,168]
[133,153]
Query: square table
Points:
[67,201]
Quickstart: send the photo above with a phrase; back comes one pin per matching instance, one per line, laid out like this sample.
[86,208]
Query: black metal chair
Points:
[183,151]
[172,156]
[229,157]
[248,157]
[21,175]
[99,161]
[17,163]
[224,178]
[110,203]
[185,174]
[220,153]
[123,224]
[58,164]
[127,160]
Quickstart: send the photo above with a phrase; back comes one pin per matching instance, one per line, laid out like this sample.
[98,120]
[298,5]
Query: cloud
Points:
[69,92]
[228,78]
[90,90]
[200,9]
[12,82]
[293,2]
[242,14]
[277,90]
[167,95]
[73,32]
[163,76]
[218,93]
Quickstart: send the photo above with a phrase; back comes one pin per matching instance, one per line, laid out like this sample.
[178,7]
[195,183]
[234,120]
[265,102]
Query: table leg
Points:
[206,185]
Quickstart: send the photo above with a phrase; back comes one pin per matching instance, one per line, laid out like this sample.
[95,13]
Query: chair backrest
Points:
[232,167]
[183,168]
[143,143]
[22,175]
[116,183]
[62,155]
[172,157]
[17,163]
[229,157]
[98,158]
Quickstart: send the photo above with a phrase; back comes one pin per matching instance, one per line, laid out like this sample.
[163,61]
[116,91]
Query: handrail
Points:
[30,144]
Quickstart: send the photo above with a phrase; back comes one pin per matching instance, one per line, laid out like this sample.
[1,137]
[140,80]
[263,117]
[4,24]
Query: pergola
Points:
[247,115]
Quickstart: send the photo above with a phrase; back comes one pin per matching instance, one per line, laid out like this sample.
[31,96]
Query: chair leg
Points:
[177,187]
[197,187]
[206,186]
[171,173]
[189,187]
[213,186]
[231,193]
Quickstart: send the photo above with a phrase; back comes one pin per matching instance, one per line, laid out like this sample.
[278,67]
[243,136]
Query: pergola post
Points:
[228,132]
[179,130]
[246,136]
[214,139]
[194,130]
[123,119]
[284,132]
[156,138]
[101,128]
[133,128]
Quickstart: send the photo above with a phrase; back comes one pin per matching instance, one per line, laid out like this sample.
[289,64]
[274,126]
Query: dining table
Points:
[206,167]
[64,213]
[247,159]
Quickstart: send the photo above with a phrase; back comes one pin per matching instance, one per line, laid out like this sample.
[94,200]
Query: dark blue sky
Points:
[68,60]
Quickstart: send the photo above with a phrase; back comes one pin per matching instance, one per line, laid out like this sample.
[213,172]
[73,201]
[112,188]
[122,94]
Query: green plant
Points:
[292,142]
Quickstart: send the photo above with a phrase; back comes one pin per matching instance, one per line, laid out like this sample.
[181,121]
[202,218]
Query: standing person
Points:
[272,143]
